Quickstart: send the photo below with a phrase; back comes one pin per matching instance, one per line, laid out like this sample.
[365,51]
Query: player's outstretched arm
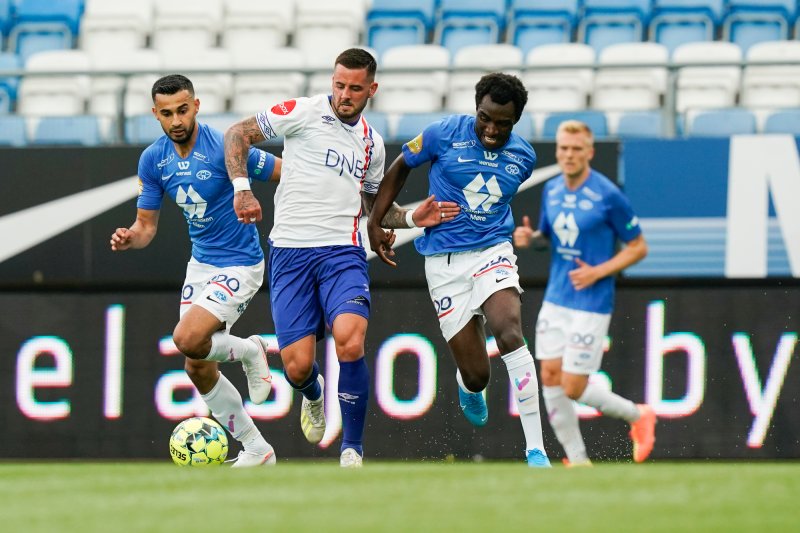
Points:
[139,235]
[238,140]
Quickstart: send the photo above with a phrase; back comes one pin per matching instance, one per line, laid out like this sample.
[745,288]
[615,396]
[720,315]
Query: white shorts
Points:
[576,336]
[460,282]
[224,292]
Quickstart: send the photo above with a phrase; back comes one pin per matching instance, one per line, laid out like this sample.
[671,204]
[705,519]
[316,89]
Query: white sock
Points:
[522,373]
[227,348]
[564,421]
[608,403]
[225,403]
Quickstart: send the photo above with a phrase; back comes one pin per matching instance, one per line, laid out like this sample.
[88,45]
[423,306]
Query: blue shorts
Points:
[310,287]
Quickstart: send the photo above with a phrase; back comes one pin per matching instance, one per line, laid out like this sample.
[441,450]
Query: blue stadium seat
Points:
[784,121]
[142,129]
[608,22]
[81,130]
[12,130]
[9,84]
[677,22]
[722,123]
[44,25]
[536,22]
[753,21]
[389,24]
[638,124]
[6,16]
[466,22]
[596,120]
[5,102]
[411,124]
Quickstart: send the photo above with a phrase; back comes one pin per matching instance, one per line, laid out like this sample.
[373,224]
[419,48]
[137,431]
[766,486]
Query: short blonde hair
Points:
[576,126]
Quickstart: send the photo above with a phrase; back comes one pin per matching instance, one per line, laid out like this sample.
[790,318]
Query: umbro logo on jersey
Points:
[327,119]
[462,160]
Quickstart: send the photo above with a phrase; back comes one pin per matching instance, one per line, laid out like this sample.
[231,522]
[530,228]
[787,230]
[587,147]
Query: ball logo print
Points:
[198,441]
[284,108]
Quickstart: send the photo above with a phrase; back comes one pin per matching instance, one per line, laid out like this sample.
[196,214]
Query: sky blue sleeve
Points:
[423,147]
[260,164]
[150,191]
[622,218]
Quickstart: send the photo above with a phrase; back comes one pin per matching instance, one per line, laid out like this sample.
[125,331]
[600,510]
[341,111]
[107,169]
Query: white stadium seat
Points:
[55,95]
[322,25]
[707,87]
[559,89]
[179,25]
[412,92]
[484,58]
[630,89]
[113,25]
[213,90]
[253,92]
[256,27]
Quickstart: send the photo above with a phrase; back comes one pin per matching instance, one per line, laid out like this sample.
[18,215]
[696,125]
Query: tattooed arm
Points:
[238,140]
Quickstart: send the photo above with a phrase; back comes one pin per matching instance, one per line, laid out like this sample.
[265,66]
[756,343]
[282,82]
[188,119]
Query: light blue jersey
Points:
[200,185]
[585,224]
[481,181]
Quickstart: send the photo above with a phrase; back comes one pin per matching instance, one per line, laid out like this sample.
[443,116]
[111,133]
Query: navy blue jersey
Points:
[199,184]
[586,224]
[481,181]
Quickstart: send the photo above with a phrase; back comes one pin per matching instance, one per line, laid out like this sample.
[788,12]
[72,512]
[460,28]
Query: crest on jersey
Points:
[415,144]
[284,108]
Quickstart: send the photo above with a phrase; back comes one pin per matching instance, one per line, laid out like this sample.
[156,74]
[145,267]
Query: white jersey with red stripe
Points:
[326,165]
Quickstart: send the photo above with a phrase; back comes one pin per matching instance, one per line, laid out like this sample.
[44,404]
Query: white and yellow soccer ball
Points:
[198,441]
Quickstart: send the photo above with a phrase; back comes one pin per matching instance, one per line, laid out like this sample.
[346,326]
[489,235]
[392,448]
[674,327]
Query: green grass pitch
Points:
[300,495]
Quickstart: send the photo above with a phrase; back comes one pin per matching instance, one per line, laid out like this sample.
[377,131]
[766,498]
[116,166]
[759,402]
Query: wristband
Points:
[240,184]
[410,219]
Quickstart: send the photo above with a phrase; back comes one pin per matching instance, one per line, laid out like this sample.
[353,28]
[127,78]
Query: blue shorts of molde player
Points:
[310,287]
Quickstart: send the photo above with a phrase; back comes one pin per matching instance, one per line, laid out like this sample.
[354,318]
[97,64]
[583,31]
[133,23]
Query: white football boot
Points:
[350,459]
[247,459]
[312,415]
[259,378]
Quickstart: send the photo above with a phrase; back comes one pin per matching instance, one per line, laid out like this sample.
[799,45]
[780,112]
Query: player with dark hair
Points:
[317,264]
[479,162]
[227,264]
[583,216]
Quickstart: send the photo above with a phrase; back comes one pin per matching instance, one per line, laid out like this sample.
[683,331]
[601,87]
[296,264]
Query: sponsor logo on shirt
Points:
[200,157]
[585,204]
[262,160]
[284,108]
[489,156]
[481,194]
[462,160]
[463,144]
[512,156]
[166,161]
[203,175]
[512,169]
[415,144]
[191,202]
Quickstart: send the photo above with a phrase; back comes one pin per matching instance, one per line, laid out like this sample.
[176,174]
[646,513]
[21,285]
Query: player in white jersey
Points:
[479,162]
[583,216]
[227,264]
[333,163]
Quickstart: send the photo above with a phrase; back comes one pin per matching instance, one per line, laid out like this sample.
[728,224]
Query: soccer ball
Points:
[198,441]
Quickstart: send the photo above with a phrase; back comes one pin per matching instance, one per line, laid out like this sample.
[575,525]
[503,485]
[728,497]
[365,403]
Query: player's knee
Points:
[573,389]
[297,372]
[188,343]
[350,350]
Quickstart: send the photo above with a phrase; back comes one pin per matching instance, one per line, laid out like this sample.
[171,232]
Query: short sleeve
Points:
[150,191]
[423,147]
[285,118]
[260,164]
[622,218]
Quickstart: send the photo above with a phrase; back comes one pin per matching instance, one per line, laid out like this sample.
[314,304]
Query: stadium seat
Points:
[252,27]
[596,120]
[81,130]
[390,24]
[213,90]
[753,21]
[115,26]
[44,25]
[630,89]
[380,123]
[707,86]
[411,124]
[219,121]
[9,84]
[5,101]
[6,17]
[772,86]
[607,22]
[13,131]
[107,90]
[55,95]
[676,22]
[176,26]
[137,97]
[413,92]
[275,79]
[783,121]
[463,23]
[323,26]
[534,23]
[640,124]
[525,127]
[484,58]
[721,123]
[559,89]
[142,129]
